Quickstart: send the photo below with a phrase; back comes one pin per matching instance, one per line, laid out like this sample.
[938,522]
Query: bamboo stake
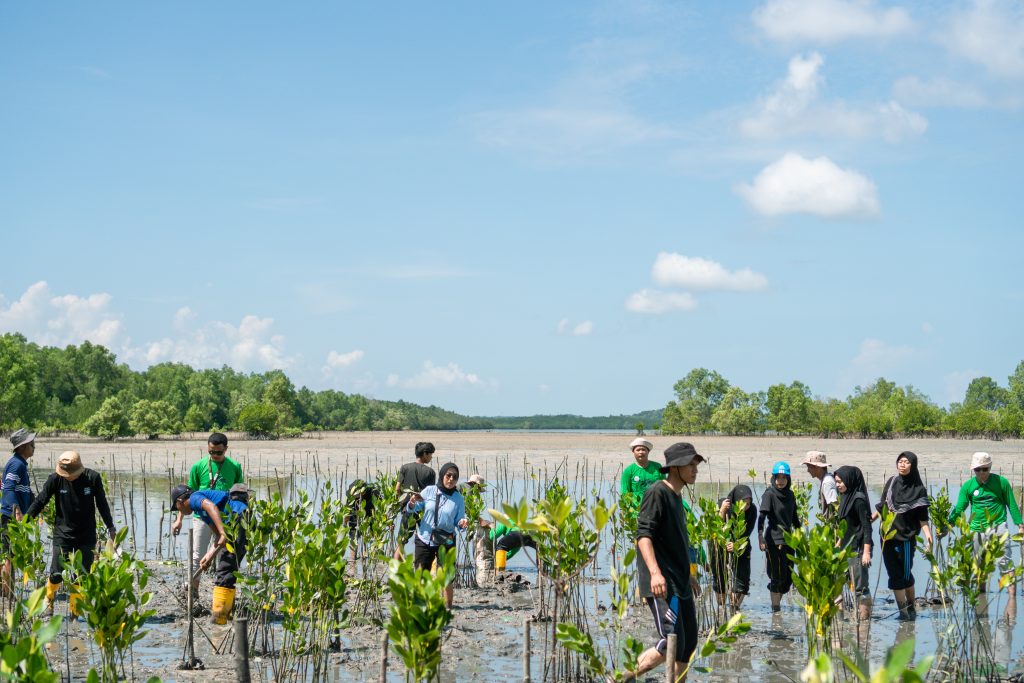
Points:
[670,659]
[384,658]
[526,651]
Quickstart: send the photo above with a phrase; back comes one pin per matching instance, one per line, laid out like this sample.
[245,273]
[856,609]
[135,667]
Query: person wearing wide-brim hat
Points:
[828,495]
[78,493]
[638,476]
[17,492]
[663,568]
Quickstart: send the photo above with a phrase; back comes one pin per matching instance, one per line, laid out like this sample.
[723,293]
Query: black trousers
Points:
[722,562]
[62,552]
[514,540]
[228,562]
[780,567]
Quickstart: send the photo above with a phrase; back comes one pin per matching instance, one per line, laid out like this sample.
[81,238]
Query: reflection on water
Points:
[775,648]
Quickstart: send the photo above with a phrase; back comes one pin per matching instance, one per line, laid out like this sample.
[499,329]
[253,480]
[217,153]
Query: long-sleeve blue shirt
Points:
[452,509]
[17,491]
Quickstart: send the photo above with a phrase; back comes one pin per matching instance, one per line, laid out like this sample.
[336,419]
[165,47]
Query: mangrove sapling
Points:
[466,575]
[820,564]
[23,643]
[376,546]
[939,513]
[26,554]
[897,668]
[803,493]
[419,614]
[113,602]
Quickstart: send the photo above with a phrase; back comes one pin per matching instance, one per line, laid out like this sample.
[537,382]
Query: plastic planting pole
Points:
[384,658]
[526,651]
[242,650]
[670,659]
[188,605]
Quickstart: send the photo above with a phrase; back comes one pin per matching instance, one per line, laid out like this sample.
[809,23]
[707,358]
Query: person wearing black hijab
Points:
[904,495]
[855,510]
[443,509]
[778,515]
[721,562]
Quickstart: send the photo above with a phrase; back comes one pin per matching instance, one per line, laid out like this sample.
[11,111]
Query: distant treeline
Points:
[83,388]
[707,403]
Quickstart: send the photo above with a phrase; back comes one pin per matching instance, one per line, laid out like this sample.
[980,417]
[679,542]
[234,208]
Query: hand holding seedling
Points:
[463,523]
[865,559]
[176,526]
[726,505]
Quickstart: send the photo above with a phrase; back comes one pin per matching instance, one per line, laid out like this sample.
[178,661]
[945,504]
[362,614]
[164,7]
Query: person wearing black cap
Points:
[17,494]
[664,570]
[78,493]
[222,510]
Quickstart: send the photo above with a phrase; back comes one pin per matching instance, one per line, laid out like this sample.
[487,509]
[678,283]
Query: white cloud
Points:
[829,21]
[543,388]
[249,346]
[337,360]
[59,320]
[793,108]
[938,92]
[990,33]
[583,329]
[676,270]
[819,187]
[432,376]
[562,326]
[656,301]
[874,359]
[183,317]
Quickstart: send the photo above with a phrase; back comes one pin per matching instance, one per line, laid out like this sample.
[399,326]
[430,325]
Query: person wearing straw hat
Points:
[17,493]
[663,569]
[638,476]
[828,495]
[78,493]
[989,496]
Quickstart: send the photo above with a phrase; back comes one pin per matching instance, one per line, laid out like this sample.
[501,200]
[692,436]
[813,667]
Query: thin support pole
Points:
[526,651]
[242,650]
[384,658]
[670,659]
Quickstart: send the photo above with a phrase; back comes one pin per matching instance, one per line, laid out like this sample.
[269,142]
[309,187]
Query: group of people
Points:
[669,587]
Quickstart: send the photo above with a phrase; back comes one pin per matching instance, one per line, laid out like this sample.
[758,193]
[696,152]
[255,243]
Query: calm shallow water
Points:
[774,650]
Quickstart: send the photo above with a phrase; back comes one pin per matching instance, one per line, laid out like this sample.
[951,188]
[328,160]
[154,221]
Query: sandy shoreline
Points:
[369,452]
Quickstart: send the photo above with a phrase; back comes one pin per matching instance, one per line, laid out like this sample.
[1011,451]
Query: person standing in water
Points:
[905,496]
[828,497]
[855,510]
[778,515]
[638,476]
[729,507]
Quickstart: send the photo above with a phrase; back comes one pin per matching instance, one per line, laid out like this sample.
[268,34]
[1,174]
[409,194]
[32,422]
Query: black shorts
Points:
[426,554]
[898,558]
[675,615]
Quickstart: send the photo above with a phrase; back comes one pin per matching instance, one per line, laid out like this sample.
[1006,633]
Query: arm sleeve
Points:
[885,493]
[460,509]
[961,504]
[42,499]
[101,503]
[241,476]
[624,482]
[193,477]
[829,491]
[1011,502]
[863,510]
[421,504]
[650,513]
[10,481]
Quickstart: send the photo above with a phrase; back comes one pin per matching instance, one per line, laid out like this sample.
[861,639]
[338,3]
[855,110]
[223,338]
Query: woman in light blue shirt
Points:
[444,510]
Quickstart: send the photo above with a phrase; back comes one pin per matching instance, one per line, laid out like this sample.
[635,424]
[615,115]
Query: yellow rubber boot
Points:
[500,558]
[75,600]
[51,591]
[223,601]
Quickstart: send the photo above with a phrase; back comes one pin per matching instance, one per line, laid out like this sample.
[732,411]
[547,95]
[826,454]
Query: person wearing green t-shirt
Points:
[989,496]
[638,476]
[217,472]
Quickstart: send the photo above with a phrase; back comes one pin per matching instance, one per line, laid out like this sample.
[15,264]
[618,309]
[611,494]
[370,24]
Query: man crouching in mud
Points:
[223,511]
[664,545]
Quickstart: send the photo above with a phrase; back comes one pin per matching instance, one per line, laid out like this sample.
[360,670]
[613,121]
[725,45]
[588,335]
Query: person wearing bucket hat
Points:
[663,569]
[989,496]
[777,516]
[638,476]
[828,496]
[78,494]
[17,493]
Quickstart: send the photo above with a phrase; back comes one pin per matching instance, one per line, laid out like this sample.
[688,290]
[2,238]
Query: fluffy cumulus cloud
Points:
[794,107]
[337,361]
[990,33]
[579,330]
[656,301]
[449,376]
[819,187]
[829,21]
[250,346]
[686,272]
[62,319]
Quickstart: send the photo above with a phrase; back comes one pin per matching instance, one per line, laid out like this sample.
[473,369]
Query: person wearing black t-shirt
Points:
[664,567]
[78,494]
[415,476]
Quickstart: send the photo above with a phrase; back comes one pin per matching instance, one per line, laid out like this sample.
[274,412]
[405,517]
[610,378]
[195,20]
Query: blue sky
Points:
[550,207]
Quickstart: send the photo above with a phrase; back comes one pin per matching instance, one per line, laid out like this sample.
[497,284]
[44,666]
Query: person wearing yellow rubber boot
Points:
[78,493]
[222,510]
